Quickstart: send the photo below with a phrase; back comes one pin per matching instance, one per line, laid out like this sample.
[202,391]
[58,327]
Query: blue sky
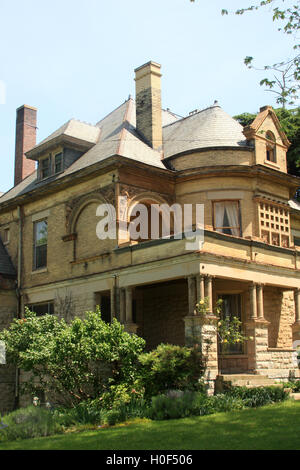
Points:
[75,58]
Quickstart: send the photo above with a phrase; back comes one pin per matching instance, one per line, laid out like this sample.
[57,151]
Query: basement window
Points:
[227,217]
[42,308]
[40,244]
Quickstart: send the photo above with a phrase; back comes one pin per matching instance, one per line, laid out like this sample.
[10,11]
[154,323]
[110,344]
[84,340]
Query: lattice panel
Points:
[274,223]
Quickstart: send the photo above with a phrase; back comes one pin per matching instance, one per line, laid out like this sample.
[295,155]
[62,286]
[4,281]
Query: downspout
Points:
[19,297]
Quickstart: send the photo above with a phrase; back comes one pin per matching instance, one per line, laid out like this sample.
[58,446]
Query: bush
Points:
[72,362]
[171,367]
[259,396]
[29,422]
[173,406]
[294,385]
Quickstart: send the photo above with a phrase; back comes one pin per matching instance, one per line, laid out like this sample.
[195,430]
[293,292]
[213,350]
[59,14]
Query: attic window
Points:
[271,147]
[58,162]
[45,167]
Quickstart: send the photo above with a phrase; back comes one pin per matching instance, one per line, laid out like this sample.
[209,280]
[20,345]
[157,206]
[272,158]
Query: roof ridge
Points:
[194,114]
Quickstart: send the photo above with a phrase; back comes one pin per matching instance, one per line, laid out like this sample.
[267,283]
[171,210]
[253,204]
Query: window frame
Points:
[238,202]
[59,154]
[6,236]
[41,169]
[35,245]
[271,147]
[50,306]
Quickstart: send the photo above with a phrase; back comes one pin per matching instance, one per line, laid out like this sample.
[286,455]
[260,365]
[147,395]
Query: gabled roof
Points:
[266,111]
[211,127]
[6,266]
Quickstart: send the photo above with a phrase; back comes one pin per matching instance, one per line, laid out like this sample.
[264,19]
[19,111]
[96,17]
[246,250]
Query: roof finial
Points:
[216,103]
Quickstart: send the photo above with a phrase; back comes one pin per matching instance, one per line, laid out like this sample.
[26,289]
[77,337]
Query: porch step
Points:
[243,380]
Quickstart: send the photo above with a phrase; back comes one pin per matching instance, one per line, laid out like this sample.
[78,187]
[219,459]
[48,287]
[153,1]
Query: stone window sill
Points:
[40,271]
[272,164]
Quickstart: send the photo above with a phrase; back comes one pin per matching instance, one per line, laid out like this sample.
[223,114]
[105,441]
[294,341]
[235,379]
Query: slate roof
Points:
[6,266]
[211,127]
[116,135]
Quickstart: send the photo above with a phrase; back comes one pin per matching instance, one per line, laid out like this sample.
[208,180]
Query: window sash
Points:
[58,163]
[45,168]
[40,244]
[42,308]
[222,228]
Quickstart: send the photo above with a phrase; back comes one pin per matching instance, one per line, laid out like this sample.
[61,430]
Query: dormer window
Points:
[58,162]
[45,167]
[271,147]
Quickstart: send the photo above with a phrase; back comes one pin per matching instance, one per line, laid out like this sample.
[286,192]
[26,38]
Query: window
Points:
[58,163]
[6,235]
[42,308]
[231,307]
[227,217]
[40,244]
[274,222]
[45,167]
[271,147]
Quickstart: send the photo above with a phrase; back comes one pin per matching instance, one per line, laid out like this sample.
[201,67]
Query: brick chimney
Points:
[148,104]
[25,140]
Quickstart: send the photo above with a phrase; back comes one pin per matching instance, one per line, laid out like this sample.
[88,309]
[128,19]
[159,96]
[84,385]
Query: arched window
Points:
[271,147]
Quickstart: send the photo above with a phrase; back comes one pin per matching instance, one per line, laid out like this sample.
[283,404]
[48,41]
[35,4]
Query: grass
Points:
[271,427]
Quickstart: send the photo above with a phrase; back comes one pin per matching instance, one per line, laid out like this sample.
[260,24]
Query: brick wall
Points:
[161,309]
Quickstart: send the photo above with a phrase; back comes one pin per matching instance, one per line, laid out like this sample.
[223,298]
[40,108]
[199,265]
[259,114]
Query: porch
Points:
[164,311]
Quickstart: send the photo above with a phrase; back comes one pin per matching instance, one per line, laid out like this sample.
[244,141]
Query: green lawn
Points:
[271,427]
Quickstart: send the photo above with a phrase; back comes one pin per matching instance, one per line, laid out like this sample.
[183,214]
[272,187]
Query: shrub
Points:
[73,362]
[294,385]
[171,406]
[171,367]
[259,396]
[29,422]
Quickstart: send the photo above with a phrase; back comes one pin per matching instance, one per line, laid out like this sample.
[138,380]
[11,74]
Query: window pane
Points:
[40,244]
[41,256]
[58,162]
[45,168]
[41,232]
[42,309]
[227,218]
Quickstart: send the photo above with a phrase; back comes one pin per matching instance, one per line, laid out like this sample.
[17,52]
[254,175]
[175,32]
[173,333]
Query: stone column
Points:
[192,294]
[201,333]
[112,303]
[200,280]
[209,293]
[129,326]
[122,306]
[260,301]
[296,325]
[253,301]
[257,330]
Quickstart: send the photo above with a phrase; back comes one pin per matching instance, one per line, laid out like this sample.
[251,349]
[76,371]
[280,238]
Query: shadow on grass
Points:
[271,427]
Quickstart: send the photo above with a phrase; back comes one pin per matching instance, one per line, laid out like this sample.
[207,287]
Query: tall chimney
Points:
[148,103]
[25,140]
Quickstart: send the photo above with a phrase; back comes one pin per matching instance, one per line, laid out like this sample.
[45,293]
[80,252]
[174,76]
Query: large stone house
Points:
[52,260]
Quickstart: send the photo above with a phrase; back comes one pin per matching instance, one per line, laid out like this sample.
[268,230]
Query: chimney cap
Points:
[27,107]
[148,64]
[265,108]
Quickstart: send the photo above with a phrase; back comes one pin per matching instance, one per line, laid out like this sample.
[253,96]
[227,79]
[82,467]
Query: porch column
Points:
[257,331]
[253,301]
[192,294]
[296,325]
[209,293]
[122,306]
[200,280]
[130,327]
[260,301]
[112,303]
